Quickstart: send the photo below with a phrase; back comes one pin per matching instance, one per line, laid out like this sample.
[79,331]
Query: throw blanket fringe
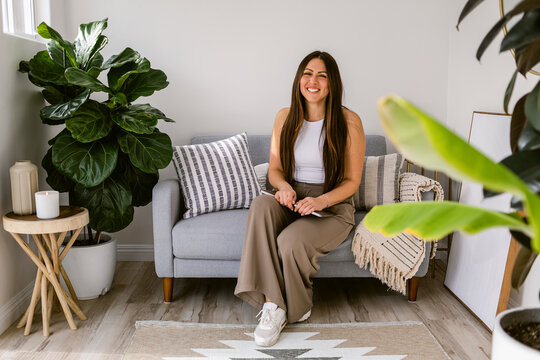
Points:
[394,260]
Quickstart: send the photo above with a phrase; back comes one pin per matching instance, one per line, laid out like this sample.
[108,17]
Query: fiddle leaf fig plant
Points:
[109,152]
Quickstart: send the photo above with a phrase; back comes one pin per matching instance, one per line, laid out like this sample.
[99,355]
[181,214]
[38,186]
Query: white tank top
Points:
[308,153]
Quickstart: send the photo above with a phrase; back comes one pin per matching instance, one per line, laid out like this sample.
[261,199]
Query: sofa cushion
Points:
[194,239]
[218,236]
[380,181]
[216,176]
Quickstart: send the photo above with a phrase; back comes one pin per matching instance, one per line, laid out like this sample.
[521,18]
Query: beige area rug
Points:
[170,340]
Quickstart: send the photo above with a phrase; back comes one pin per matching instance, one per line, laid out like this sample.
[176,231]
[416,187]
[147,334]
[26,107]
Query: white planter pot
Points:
[91,268]
[505,347]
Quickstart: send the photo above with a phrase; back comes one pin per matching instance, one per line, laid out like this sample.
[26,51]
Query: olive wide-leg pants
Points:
[281,250]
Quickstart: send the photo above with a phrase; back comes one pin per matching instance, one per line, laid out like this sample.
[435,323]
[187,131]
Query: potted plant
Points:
[425,141]
[108,154]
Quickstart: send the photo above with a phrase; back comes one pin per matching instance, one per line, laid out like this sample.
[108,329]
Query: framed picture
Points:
[477,263]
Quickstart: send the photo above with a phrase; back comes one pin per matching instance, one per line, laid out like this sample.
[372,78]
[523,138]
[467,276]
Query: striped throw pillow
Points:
[216,176]
[380,181]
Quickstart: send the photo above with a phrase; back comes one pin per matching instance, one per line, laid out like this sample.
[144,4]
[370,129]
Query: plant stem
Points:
[98,236]
[90,236]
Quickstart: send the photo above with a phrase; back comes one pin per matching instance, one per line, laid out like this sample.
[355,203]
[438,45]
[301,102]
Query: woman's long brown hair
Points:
[334,124]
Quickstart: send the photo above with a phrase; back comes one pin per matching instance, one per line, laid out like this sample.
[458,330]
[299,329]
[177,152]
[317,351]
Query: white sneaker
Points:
[271,321]
[305,316]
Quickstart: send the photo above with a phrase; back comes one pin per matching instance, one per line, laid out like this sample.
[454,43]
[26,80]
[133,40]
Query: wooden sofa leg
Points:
[167,290]
[412,288]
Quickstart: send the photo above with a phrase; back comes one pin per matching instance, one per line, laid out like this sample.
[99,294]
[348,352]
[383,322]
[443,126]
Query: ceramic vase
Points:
[24,184]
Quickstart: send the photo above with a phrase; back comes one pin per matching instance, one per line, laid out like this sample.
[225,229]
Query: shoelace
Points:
[265,318]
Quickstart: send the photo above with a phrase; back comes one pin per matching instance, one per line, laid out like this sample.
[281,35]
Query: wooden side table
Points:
[49,235]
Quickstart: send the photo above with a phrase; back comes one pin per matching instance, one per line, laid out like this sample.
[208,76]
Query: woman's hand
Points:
[286,198]
[309,204]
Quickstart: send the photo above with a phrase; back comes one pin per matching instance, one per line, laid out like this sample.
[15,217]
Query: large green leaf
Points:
[147,152]
[509,90]
[58,54]
[135,119]
[529,138]
[47,32]
[91,122]
[144,84]
[86,164]
[109,205]
[526,164]
[518,122]
[432,220]
[82,78]
[151,110]
[428,143]
[128,55]
[52,95]
[528,57]
[45,70]
[55,178]
[64,110]
[140,183]
[469,6]
[525,32]
[89,41]
[119,74]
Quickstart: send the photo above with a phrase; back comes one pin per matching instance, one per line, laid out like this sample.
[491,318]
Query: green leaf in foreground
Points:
[419,219]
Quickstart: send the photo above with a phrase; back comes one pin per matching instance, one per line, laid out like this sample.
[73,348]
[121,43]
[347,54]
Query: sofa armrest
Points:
[413,188]
[167,206]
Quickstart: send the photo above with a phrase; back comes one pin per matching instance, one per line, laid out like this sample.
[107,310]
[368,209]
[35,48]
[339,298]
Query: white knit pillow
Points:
[216,176]
[380,181]
[261,171]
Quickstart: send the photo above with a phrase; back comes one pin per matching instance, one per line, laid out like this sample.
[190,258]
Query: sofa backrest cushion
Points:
[259,145]
[216,176]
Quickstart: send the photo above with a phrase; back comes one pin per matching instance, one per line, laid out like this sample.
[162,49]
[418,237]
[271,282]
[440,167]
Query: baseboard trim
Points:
[135,252]
[15,307]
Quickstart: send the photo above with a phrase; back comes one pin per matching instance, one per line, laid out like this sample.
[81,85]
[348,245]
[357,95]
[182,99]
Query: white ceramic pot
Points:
[505,347]
[91,268]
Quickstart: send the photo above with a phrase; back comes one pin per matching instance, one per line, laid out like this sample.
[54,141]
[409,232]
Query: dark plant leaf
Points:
[524,32]
[521,238]
[109,204]
[528,57]
[118,99]
[95,66]
[45,70]
[529,138]
[532,107]
[522,266]
[47,32]
[55,178]
[135,119]
[52,95]
[89,41]
[91,122]
[87,164]
[118,75]
[140,183]
[526,164]
[64,110]
[521,7]
[24,67]
[144,84]
[509,90]
[467,9]
[128,55]
[151,110]
[147,152]
[82,78]
[518,122]
[61,133]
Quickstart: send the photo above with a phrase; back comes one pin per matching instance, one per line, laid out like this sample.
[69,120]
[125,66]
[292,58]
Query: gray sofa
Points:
[210,245]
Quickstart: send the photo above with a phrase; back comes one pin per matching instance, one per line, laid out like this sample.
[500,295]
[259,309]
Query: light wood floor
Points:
[137,295]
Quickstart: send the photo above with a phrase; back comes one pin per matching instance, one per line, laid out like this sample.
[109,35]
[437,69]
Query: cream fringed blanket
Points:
[394,260]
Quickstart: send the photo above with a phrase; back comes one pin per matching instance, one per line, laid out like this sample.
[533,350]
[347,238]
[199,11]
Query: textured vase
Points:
[24,184]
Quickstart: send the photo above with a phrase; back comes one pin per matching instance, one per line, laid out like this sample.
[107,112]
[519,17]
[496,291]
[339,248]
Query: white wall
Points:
[22,138]
[231,63]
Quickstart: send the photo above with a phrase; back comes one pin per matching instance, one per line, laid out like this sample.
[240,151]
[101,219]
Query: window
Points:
[21,17]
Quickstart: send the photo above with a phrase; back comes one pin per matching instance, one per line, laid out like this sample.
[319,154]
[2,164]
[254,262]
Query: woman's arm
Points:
[285,194]
[354,165]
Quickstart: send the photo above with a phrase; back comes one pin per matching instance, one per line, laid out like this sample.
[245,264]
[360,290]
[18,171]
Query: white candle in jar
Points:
[47,204]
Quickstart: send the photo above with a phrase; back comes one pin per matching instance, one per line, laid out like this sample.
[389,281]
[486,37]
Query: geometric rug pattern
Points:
[171,340]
